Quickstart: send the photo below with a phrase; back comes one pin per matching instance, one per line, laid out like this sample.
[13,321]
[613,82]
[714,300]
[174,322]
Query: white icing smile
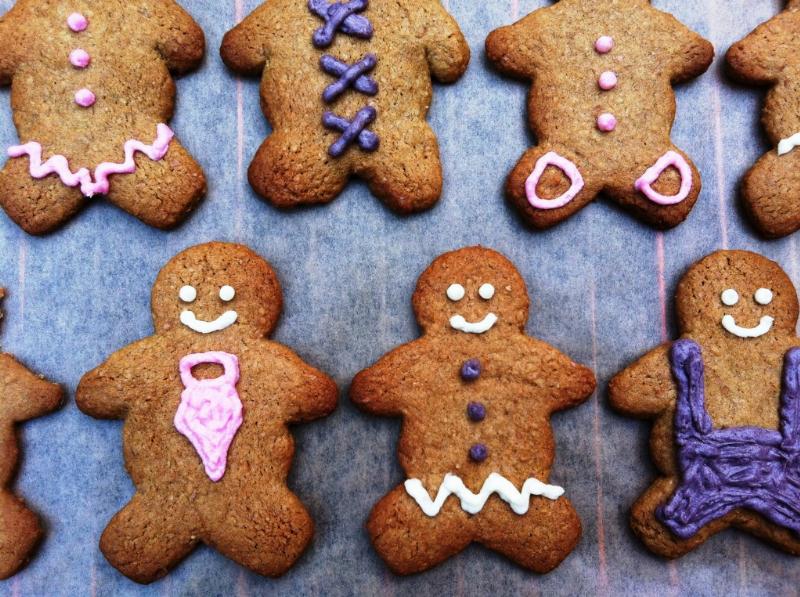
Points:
[765,325]
[457,322]
[227,319]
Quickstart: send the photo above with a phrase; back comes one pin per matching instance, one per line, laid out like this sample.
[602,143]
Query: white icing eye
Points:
[455,292]
[187,294]
[763,296]
[486,291]
[226,293]
[730,297]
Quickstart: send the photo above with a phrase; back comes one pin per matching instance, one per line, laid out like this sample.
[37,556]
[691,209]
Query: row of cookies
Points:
[346,87]
[207,400]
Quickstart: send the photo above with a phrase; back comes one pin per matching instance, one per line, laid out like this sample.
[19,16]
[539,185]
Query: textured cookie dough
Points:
[91,93]
[601,106]
[770,56]
[23,396]
[476,395]
[208,446]
[724,439]
[410,41]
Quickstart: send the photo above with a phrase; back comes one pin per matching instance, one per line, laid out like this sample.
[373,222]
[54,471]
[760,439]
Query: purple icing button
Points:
[79,58]
[77,22]
[476,411]
[471,370]
[478,453]
[85,98]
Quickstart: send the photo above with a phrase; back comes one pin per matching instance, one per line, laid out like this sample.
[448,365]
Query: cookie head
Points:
[737,295]
[214,287]
[471,291]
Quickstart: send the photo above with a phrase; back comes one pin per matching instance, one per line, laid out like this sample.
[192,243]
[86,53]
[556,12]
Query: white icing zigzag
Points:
[473,503]
[788,144]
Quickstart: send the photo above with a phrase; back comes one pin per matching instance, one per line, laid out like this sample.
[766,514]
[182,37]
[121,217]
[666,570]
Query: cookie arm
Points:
[26,394]
[646,388]
[309,393]
[11,44]
[514,49]
[179,39]
[378,390]
[761,56]
[244,48]
[445,47]
[566,383]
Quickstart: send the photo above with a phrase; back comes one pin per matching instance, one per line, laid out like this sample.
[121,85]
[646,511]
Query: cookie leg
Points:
[163,193]
[411,542]
[538,540]
[265,530]
[406,172]
[147,538]
[20,532]
[292,168]
[660,188]
[548,185]
[771,193]
[38,206]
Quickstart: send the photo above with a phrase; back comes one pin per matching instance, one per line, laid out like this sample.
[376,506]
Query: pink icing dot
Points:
[606,122]
[607,81]
[85,98]
[604,44]
[77,22]
[79,58]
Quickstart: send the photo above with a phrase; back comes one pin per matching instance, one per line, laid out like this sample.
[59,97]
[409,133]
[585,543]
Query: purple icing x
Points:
[726,469]
[349,76]
[340,16]
[355,130]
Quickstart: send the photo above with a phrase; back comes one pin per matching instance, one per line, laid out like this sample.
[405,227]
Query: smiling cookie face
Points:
[738,295]
[471,291]
[208,291]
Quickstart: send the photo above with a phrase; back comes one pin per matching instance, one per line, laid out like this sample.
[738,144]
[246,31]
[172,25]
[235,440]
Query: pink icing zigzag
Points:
[90,187]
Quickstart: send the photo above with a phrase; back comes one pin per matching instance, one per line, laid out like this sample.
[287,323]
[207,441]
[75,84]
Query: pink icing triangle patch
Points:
[210,412]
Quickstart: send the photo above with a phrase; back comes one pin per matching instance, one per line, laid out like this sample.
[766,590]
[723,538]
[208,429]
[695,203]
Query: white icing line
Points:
[227,319]
[765,325]
[457,322]
[473,503]
[788,144]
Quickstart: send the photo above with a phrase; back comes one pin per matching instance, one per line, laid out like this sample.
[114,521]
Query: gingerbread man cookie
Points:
[346,87]
[91,96]
[476,395]
[23,396]
[725,439]
[602,107]
[768,56]
[206,403]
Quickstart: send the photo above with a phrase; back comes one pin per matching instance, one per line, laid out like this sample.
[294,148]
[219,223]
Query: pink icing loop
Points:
[58,164]
[607,80]
[85,98]
[79,58]
[604,44]
[606,122]
[671,158]
[210,412]
[77,22]
[567,167]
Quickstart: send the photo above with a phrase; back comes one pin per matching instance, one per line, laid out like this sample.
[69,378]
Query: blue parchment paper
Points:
[601,287]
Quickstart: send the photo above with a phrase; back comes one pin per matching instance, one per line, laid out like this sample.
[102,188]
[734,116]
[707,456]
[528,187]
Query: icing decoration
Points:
[476,412]
[606,122]
[58,164]
[457,322]
[455,292]
[729,297]
[227,293]
[340,16]
[79,58]
[187,294]
[788,144]
[471,370]
[671,158]
[473,503]
[355,130]
[210,412]
[478,453]
[85,98]
[567,167]
[226,320]
[486,291]
[764,326]
[604,44]
[607,81]
[349,76]
[741,467]
[763,296]
[77,22]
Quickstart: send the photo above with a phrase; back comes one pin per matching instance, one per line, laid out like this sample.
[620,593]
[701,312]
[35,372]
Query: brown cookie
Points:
[346,87]
[91,95]
[602,107]
[206,402]
[769,56]
[23,396]
[725,399]
[476,395]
